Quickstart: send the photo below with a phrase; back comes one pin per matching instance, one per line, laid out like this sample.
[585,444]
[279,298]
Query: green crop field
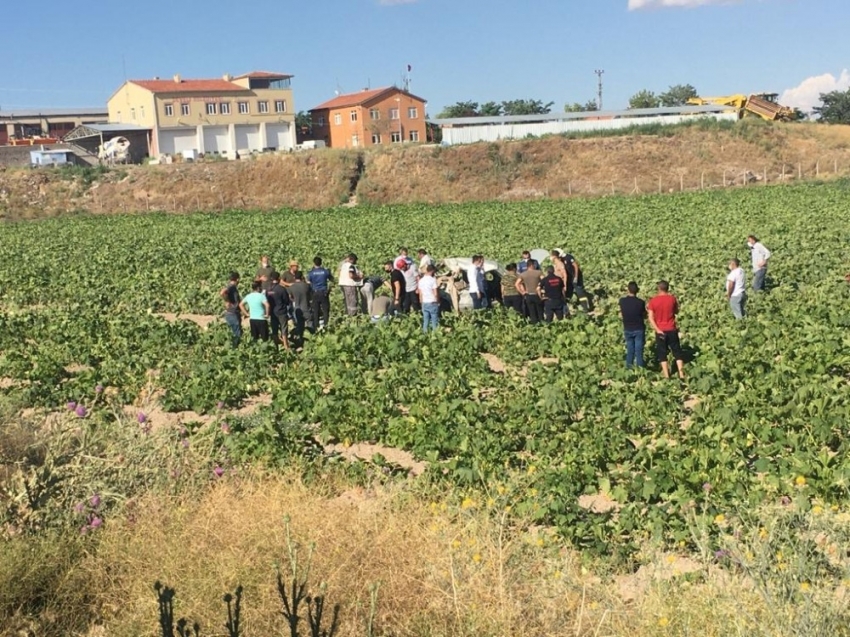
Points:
[761,418]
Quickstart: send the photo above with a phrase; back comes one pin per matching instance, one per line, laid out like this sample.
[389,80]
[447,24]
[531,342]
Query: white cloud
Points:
[635,5]
[806,95]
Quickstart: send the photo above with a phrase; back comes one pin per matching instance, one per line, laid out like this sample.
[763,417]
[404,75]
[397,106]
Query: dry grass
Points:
[455,567]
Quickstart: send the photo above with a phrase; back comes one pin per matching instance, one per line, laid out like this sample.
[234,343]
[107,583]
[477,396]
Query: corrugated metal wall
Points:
[495,132]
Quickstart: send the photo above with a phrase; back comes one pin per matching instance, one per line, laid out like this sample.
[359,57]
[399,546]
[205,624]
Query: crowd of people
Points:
[281,307]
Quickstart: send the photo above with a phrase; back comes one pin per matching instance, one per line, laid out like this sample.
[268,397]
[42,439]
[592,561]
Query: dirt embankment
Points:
[684,159]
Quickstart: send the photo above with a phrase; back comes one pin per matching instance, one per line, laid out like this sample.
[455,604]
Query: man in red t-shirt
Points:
[662,310]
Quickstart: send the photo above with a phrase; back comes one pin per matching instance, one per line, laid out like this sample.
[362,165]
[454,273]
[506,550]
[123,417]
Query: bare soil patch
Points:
[201,320]
[365,452]
[599,503]
[495,363]
[632,587]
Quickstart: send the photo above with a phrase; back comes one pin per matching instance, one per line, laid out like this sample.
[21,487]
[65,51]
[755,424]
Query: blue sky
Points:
[459,49]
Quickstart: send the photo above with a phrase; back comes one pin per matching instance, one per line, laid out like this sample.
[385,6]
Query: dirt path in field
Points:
[201,320]
[498,366]
[365,452]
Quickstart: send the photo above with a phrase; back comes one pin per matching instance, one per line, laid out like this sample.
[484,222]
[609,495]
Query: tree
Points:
[460,109]
[526,107]
[490,109]
[575,107]
[303,126]
[644,99]
[678,95]
[834,108]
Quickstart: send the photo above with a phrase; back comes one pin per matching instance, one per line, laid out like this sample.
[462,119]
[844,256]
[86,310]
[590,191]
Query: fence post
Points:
[765,174]
[724,177]
[783,171]
[799,170]
[817,168]
[659,183]
[835,166]
[612,189]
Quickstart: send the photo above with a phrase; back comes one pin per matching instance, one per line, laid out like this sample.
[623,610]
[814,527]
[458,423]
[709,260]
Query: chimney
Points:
[156,77]
[227,77]
[177,79]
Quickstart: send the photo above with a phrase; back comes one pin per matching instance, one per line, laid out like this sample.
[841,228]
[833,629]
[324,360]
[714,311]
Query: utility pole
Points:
[599,73]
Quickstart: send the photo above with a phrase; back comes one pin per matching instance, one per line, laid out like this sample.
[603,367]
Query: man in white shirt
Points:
[424,260]
[429,297]
[735,286]
[760,257]
[411,280]
[350,280]
[475,277]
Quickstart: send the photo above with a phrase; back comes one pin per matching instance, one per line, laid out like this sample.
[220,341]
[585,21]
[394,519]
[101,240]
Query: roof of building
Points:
[189,86]
[96,130]
[264,75]
[356,99]
[53,112]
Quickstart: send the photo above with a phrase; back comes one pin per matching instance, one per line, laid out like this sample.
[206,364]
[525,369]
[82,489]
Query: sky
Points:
[460,50]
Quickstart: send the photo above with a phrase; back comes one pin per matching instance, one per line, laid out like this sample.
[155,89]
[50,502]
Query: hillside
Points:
[677,158]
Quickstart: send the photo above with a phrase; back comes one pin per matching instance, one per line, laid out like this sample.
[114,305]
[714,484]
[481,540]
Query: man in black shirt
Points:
[299,294]
[279,309]
[232,315]
[575,281]
[553,292]
[398,284]
[633,313]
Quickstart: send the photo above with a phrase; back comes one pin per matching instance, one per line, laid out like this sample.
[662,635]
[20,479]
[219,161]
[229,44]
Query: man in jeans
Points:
[429,298]
[475,276]
[528,284]
[633,313]
[319,278]
[232,299]
[760,256]
[554,302]
[735,288]
[662,310]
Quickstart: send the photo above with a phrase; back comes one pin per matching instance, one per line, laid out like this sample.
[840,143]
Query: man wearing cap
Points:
[351,280]
[288,277]
[411,281]
[398,283]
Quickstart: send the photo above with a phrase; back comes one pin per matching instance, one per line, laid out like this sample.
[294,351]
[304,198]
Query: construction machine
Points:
[762,105]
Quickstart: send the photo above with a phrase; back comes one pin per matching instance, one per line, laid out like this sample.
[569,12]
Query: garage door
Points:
[216,139]
[248,138]
[279,136]
[172,142]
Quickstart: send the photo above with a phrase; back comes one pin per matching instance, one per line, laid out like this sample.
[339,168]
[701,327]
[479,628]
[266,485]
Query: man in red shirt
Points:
[662,310]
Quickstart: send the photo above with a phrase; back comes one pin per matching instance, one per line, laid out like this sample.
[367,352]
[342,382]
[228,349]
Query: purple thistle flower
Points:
[225,428]
[142,418]
[71,405]
[218,471]
[81,411]
[79,507]
[98,389]
[721,554]
[95,523]
[706,487]
[785,500]
[94,501]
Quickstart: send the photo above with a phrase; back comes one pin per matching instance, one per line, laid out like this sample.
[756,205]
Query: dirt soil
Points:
[554,167]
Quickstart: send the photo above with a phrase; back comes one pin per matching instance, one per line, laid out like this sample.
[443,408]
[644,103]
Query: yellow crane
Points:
[763,105]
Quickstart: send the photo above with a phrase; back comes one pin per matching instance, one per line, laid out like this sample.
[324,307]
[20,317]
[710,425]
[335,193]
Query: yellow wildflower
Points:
[719,518]
[817,510]
[468,503]
[800,481]
[476,558]
[804,587]
[663,622]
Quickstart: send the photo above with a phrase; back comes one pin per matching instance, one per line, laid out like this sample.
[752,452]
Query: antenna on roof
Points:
[407,79]
[338,90]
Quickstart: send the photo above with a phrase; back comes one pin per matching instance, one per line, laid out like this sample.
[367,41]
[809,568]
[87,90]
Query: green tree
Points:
[644,99]
[526,107]
[575,107]
[834,108]
[490,109]
[678,95]
[460,109]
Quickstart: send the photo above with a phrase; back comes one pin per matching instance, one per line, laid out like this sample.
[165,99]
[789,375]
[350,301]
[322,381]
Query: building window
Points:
[353,116]
[374,113]
[263,107]
[414,135]
[337,119]
[393,113]
[142,112]
[184,108]
[169,110]
[376,138]
[355,140]
[395,137]
[224,108]
[211,108]
[243,108]
[320,121]
[132,113]
[280,106]
[413,112]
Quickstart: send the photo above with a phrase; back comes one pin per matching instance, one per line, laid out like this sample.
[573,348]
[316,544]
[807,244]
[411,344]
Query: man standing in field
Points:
[288,277]
[575,280]
[319,279]
[371,285]
[299,294]
[528,285]
[429,298]
[424,260]
[735,288]
[522,266]
[256,308]
[280,308]
[475,276]
[633,313]
[662,310]
[760,255]
[553,293]
[232,317]
[411,281]
[398,283]
[351,280]
[264,273]
[511,296]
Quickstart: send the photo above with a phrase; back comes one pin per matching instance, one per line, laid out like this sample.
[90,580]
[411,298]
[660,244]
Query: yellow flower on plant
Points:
[779,555]
[671,559]
[456,544]
[663,622]
[476,558]
[593,605]
[557,575]
[805,587]
[468,503]
[817,510]
[762,534]
[719,518]
[490,502]
[800,481]
[500,490]
[532,469]
[540,541]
